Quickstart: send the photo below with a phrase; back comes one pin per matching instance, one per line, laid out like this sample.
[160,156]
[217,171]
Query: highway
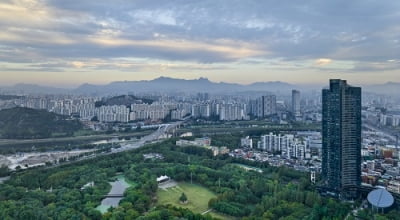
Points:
[384,133]
[155,136]
[69,139]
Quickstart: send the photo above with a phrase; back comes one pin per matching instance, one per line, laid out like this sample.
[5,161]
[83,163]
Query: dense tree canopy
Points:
[55,193]
[25,123]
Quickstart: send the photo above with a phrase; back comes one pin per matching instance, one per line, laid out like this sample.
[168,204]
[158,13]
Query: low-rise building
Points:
[393,186]
[246,142]
[219,150]
[200,142]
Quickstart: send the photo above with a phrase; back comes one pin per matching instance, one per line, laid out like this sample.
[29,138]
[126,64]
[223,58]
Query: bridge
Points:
[113,196]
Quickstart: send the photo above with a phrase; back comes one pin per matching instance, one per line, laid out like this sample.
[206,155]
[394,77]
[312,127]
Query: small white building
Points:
[162,179]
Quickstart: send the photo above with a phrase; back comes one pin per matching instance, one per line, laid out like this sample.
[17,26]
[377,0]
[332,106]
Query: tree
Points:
[4,171]
[183,198]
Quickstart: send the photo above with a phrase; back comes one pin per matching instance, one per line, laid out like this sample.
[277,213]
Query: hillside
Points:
[25,123]
[126,100]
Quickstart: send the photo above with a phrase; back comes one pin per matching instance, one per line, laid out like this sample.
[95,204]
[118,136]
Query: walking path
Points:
[206,212]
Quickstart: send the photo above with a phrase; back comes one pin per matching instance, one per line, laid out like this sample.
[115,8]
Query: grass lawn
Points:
[197,195]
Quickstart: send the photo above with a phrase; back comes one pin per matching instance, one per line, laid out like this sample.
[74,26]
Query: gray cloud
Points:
[356,30]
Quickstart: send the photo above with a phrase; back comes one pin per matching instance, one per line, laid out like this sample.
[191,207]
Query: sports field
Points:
[197,195]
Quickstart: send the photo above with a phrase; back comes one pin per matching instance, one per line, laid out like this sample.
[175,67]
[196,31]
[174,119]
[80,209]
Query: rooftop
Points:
[380,198]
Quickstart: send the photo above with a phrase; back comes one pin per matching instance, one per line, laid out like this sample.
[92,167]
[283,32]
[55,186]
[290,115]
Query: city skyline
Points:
[65,44]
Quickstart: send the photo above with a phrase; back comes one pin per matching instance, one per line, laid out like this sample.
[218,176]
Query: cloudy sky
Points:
[69,42]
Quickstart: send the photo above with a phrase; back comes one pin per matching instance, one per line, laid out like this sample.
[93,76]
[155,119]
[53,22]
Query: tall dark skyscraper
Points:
[341,138]
[296,103]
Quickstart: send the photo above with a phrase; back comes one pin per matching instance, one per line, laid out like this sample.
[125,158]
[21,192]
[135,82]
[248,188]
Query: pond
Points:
[118,187]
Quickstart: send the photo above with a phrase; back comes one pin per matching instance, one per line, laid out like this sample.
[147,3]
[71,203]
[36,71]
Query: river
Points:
[117,187]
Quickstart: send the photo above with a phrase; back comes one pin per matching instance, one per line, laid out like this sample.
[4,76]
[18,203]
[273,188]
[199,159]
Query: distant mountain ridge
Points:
[36,89]
[174,85]
[390,88]
[166,84]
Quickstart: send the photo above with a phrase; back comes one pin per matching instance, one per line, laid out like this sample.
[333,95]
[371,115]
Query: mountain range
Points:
[173,85]
[390,88]
[168,85]
[25,88]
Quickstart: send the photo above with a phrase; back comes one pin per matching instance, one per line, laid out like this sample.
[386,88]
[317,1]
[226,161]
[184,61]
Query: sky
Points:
[66,43]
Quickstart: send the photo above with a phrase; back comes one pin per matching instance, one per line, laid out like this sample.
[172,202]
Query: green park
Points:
[217,184]
[197,195]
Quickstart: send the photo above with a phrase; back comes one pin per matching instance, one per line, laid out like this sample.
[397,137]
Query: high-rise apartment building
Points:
[263,106]
[230,112]
[275,143]
[296,104]
[341,138]
[268,105]
[201,110]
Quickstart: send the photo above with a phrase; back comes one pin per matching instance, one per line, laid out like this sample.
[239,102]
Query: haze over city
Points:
[67,43]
